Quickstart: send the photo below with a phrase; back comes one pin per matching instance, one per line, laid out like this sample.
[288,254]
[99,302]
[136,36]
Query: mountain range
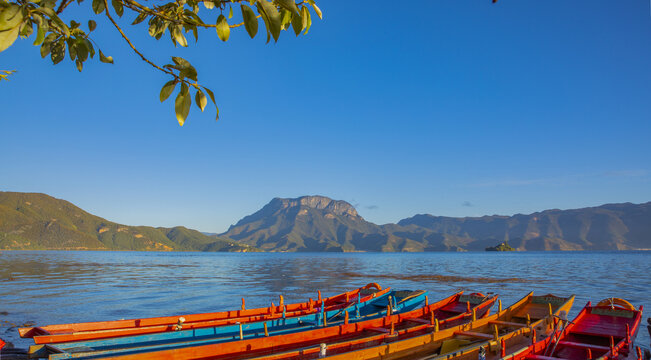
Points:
[318,223]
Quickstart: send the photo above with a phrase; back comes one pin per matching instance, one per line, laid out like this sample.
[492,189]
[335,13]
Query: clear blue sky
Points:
[457,108]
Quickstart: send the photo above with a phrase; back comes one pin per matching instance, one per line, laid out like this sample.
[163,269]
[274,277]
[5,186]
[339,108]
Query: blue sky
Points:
[458,108]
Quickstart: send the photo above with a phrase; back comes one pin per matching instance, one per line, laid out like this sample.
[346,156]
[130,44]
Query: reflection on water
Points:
[48,287]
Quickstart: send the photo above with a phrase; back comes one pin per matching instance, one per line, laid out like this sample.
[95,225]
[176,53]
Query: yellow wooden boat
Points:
[513,328]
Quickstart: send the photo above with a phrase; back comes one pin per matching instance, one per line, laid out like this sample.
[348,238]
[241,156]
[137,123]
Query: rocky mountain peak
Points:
[318,202]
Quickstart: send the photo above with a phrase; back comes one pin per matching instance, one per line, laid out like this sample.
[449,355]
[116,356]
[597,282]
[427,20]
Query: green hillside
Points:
[32,221]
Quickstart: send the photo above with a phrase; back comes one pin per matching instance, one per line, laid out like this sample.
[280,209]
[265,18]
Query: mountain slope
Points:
[607,227]
[317,223]
[39,221]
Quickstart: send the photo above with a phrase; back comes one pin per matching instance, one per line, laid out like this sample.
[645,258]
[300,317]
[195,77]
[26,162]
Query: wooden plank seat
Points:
[379,329]
[583,345]
[540,357]
[474,334]
[420,321]
[457,308]
[507,323]
[598,326]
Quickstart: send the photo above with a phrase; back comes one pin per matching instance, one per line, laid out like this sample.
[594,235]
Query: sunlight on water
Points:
[51,287]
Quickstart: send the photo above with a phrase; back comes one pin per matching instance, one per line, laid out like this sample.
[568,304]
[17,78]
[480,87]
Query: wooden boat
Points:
[51,334]
[341,335]
[527,316]
[605,331]
[400,301]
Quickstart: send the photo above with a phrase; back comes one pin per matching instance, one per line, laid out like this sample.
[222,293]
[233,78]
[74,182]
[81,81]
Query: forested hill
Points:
[31,221]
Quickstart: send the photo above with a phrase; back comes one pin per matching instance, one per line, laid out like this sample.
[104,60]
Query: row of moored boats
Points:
[366,323]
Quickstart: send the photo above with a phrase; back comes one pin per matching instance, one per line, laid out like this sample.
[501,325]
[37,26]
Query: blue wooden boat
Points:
[393,302]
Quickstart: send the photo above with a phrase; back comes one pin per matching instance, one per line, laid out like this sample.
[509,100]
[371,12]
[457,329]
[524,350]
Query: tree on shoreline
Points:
[177,18]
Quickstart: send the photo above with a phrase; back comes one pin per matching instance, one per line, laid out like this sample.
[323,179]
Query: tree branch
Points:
[131,4]
[132,46]
[63,5]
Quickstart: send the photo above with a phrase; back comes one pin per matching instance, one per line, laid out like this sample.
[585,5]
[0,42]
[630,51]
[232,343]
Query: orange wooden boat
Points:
[527,316]
[343,335]
[106,329]
[605,331]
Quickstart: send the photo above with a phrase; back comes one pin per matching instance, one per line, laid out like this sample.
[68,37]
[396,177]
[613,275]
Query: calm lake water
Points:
[48,287]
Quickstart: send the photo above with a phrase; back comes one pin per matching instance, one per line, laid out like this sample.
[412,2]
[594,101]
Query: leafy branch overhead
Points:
[179,19]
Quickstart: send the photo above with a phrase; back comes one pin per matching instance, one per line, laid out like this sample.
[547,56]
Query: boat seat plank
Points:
[458,308]
[507,323]
[474,334]
[379,329]
[599,326]
[540,357]
[419,321]
[583,345]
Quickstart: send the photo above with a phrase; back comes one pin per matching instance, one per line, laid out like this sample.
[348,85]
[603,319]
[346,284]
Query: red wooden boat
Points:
[452,311]
[51,334]
[605,331]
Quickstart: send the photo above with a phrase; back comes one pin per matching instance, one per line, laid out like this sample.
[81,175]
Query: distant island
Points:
[501,247]
[33,221]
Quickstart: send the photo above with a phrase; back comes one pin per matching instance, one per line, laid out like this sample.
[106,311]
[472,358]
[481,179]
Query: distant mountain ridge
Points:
[31,221]
[318,223]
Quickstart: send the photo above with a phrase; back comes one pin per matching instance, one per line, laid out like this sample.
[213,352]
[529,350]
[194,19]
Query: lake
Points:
[49,287]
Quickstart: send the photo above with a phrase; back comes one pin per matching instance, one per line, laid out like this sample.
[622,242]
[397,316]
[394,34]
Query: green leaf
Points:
[177,34]
[7,37]
[118,6]
[271,17]
[230,12]
[195,32]
[212,97]
[209,4]
[91,49]
[140,18]
[26,29]
[10,17]
[91,25]
[167,90]
[316,9]
[201,100]
[181,62]
[58,51]
[289,5]
[223,30]
[297,23]
[98,6]
[40,36]
[47,45]
[105,59]
[250,21]
[80,64]
[72,48]
[286,18]
[307,20]
[82,50]
[182,104]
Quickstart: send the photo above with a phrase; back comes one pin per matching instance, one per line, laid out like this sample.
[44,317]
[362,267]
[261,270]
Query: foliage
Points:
[501,247]
[55,36]
[5,73]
